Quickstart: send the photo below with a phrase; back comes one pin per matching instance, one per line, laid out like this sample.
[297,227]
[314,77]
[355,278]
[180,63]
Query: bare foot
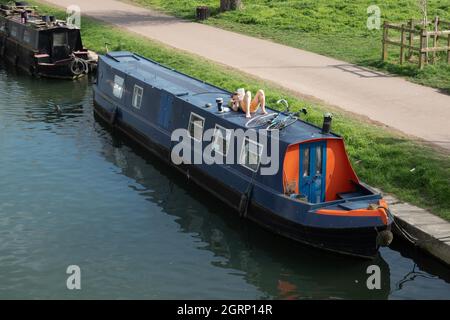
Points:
[248,116]
[264,112]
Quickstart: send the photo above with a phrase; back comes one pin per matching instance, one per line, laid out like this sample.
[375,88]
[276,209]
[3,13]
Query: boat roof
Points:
[200,93]
[35,22]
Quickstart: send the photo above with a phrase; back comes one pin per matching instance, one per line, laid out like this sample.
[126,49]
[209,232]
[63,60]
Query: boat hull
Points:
[359,242]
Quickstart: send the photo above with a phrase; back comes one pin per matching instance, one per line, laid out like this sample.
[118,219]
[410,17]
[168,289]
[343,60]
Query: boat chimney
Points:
[219,102]
[327,119]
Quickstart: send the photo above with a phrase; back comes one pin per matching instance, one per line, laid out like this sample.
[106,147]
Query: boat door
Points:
[312,171]
[60,46]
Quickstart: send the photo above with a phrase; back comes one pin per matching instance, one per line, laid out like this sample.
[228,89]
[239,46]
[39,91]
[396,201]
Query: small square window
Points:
[196,124]
[27,36]
[221,142]
[251,154]
[14,31]
[305,162]
[318,160]
[137,96]
[60,39]
[118,86]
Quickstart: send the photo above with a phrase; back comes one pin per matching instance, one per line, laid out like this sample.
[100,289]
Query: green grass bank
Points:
[335,28]
[413,172]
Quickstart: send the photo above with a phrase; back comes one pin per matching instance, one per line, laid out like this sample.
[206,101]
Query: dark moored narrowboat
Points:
[42,45]
[314,197]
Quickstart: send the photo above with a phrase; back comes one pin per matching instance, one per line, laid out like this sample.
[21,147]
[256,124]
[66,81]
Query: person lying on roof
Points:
[243,100]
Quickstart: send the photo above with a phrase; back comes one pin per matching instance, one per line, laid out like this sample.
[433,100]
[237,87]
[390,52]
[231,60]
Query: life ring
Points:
[79,66]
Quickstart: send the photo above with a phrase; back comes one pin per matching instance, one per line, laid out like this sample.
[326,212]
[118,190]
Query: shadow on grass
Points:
[444,91]
[407,70]
[426,76]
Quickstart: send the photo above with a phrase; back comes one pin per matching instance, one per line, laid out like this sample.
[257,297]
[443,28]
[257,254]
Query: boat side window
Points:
[251,154]
[196,124]
[44,43]
[137,96]
[305,163]
[60,39]
[318,160]
[27,36]
[118,87]
[222,138]
[3,26]
[14,31]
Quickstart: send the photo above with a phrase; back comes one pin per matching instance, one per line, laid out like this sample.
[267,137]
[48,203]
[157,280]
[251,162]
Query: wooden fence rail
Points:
[414,31]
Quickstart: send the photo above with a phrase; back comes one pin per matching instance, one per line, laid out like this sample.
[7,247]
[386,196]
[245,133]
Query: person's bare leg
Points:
[247,100]
[262,100]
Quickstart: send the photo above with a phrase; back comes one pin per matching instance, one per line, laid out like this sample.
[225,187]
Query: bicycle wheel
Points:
[260,120]
[279,125]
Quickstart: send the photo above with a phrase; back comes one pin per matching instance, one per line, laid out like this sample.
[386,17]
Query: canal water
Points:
[74,193]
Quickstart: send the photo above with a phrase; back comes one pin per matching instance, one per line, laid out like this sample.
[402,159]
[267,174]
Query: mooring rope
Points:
[411,238]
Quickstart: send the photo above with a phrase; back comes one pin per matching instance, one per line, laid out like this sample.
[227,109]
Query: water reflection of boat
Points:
[40,102]
[278,267]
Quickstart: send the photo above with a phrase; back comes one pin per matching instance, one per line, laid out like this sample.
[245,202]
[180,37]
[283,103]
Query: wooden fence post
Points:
[385,38]
[410,38]
[402,45]
[448,51]
[435,38]
[422,52]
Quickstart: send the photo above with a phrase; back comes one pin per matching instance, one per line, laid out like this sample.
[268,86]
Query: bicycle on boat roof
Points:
[276,121]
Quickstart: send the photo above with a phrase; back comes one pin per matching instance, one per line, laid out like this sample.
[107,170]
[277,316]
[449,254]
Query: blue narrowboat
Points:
[313,197]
